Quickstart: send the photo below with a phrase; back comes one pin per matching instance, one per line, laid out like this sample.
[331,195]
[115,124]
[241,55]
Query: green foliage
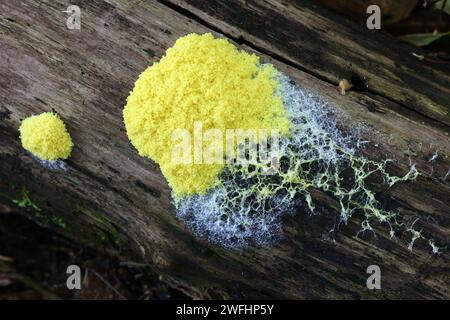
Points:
[25,202]
[112,233]
[424,39]
[443,5]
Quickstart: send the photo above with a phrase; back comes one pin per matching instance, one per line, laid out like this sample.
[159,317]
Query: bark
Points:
[110,197]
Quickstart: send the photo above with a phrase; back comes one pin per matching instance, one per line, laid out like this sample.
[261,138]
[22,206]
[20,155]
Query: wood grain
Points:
[108,190]
[294,30]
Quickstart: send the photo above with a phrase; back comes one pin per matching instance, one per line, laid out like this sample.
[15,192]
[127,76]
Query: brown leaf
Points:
[5,259]
[344,86]
[5,209]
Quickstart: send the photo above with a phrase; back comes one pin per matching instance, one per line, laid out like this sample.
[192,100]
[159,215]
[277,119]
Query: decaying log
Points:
[110,197]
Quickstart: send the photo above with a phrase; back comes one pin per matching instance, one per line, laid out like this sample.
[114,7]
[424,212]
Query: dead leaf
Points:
[5,209]
[5,259]
[344,86]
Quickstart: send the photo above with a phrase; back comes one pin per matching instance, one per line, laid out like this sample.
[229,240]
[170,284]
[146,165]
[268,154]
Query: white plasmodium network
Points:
[247,207]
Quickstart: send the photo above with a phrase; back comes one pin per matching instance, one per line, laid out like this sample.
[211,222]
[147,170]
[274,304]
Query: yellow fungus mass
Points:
[46,137]
[200,80]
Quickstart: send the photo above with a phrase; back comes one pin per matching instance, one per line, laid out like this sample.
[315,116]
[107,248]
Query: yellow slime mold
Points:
[46,137]
[200,79]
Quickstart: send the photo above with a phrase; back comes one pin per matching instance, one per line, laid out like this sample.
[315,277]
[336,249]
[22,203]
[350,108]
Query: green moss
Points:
[25,202]
[112,234]
[102,237]
[58,222]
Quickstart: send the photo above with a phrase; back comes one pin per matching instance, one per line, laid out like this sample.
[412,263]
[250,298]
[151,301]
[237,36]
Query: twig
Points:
[5,258]
[108,284]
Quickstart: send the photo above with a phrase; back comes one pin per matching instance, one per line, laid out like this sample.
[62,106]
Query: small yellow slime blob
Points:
[46,137]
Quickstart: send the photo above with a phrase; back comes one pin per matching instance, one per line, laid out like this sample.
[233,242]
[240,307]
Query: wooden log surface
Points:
[110,197]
